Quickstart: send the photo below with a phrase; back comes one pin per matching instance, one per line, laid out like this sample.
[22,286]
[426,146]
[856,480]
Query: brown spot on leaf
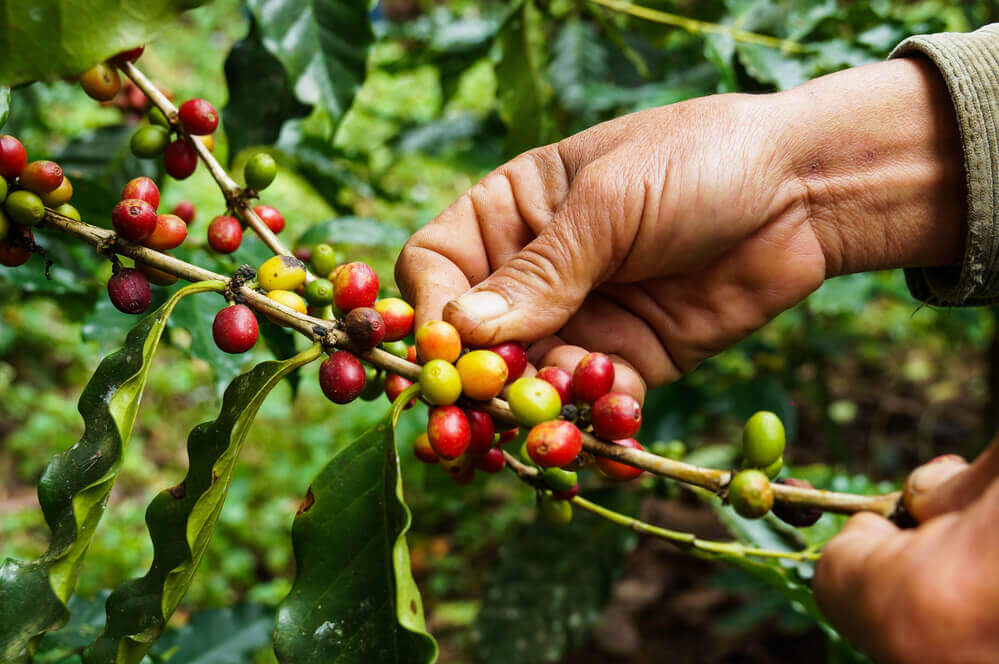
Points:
[412,606]
[307,504]
[178,491]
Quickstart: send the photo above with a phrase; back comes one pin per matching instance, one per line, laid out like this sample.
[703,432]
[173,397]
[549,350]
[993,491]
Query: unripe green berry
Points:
[260,171]
[750,494]
[3,190]
[323,260]
[773,470]
[533,401]
[157,118]
[674,449]
[319,292]
[375,385]
[24,207]
[440,382]
[560,480]
[68,210]
[555,512]
[4,226]
[149,141]
[763,439]
[398,348]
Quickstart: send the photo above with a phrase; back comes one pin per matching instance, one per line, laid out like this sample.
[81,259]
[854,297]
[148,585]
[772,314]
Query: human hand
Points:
[665,236]
[927,594]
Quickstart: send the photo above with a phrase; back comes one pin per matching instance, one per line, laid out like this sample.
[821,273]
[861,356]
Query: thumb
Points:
[948,483]
[538,290]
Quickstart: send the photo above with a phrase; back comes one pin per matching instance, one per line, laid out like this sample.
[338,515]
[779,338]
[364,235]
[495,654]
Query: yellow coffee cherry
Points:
[281,273]
[288,299]
[483,374]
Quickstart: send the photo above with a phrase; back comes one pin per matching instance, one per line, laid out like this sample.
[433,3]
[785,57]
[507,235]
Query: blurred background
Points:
[868,382]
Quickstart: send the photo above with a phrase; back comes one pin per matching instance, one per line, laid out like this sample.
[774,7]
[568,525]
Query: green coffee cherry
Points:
[397,348]
[68,210]
[319,292]
[773,470]
[555,512]
[374,387]
[5,225]
[149,141]
[763,439]
[750,494]
[534,401]
[674,449]
[3,189]
[24,207]
[440,383]
[157,118]
[559,480]
[260,171]
[323,259]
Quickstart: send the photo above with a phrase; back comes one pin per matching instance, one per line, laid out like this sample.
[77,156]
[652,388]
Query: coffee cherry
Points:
[129,291]
[289,299]
[180,159]
[397,348]
[556,512]
[364,327]
[616,415]
[355,285]
[58,196]
[157,118]
[411,355]
[449,432]
[396,385]
[149,141]
[483,374]
[558,479]
[198,117]
[131,55]
[235,329]
[12,253]
[514,356]
[568,494]
[439,382]
[144,189]
[554,443]
[423,451]
[460,470]
[508,436]
[68,210]
[437,340]
[41,176]
[323,259]
[773,470]
[281,273]
[341,377]
[492,461]
[593,377]
[482,431]
[3,190]
[225,234]
[24,207]
[133,219]
[101,82]
[397,314]
[560,379]
[533,401]
[799,517]
[319,292]
[763,439]
[750,494]
[375,385]
[185,210]
[274,221]
[13,157]
[5,223]
[259,171]
[169,233]
[617,470]
[154,275]
[207,140]
[674,449]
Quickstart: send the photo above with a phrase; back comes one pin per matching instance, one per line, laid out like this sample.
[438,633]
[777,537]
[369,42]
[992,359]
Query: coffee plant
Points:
[96,208]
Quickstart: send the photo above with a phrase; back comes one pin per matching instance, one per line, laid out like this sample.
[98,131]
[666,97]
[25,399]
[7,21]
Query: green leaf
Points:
[354,598]
[61,38]
[523,92]
[181,519]
[86,623]
[4,104]
[323,46]
[354,230]
[579,59]
[253,74]
[549,584]
[219,636]
[74,489]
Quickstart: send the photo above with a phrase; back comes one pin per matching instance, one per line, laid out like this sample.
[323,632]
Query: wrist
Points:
[876,158]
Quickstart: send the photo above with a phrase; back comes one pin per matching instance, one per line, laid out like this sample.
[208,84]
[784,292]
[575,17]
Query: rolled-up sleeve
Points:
[969,63]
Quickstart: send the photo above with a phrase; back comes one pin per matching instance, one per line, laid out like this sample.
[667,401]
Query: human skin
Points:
[665,236]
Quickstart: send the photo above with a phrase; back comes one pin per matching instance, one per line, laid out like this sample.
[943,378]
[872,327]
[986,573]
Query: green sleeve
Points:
[969,63]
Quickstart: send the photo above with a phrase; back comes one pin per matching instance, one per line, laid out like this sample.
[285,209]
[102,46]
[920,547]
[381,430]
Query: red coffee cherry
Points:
[398,317]
[198,117]
[492,461]
[423,451]
[273,219]
[567,494]
[225,234]
[508,436]
[131,55]
[355,285]
[13,157]
[593,377]
[554,443]
[185,210]
[235,329]
[448,431]
[129,291]
[342,377]
[169,233]
[616,470]
[41,176]
[396,385]
[515,357]
[133,219]
[482,433]
[560,379]
[180,159]
[365,328]
[144,189]
[411,355]
[615,416]
[12,253]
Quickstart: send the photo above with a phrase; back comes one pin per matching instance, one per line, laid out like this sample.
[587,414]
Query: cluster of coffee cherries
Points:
[26,189]
[225,232]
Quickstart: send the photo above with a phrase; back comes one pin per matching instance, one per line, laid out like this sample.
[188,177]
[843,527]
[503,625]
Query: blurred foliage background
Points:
[869,382]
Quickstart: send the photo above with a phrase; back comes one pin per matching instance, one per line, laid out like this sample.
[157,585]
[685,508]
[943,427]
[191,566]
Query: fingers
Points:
[948,483]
